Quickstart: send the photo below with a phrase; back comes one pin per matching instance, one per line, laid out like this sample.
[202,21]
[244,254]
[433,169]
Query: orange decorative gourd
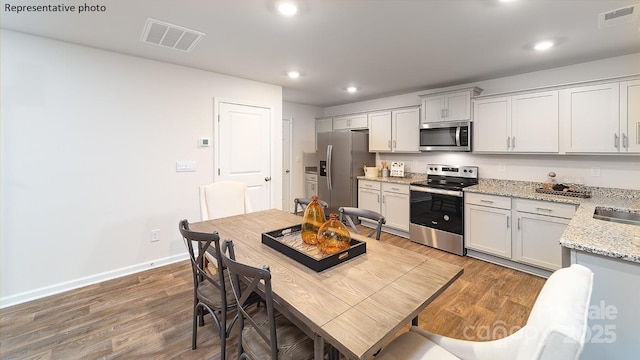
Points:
[311,221]
[333,236]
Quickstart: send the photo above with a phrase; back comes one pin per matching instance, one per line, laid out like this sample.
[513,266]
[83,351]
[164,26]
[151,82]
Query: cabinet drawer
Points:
[500,202]
[545,208]
[396,188]
[365,184]
[311,177]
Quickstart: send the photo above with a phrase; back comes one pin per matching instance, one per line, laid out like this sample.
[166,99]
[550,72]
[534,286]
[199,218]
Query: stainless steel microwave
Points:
[445,136]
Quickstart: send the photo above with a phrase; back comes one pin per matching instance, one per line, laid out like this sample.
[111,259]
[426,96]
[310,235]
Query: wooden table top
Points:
[356,306]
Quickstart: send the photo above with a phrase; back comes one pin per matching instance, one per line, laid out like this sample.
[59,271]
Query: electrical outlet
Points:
[155,235]
[595,171]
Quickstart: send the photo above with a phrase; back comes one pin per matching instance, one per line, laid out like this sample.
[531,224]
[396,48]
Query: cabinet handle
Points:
[513,142]
[508,140]
[394,144]
[544,209]
[396,189]
[486,201]
[518,223]
[378,199]
[446,113]
[508,221]
[389,144]
[616,142]
[441,113]
[383,199]
[625,141]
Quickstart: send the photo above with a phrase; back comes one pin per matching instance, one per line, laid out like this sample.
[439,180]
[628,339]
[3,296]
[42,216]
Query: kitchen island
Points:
[610,249]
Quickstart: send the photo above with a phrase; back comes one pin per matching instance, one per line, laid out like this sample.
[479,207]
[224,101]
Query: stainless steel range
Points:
[437,207]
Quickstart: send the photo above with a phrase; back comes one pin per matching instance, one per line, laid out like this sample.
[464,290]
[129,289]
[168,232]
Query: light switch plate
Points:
[185,165]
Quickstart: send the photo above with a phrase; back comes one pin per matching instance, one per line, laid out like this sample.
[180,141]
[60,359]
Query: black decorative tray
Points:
[289,242]
[572,193]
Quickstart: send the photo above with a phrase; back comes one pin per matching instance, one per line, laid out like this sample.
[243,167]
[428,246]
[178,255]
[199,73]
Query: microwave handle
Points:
[458,135]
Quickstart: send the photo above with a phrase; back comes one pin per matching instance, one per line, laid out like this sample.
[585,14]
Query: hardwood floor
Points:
[148,315]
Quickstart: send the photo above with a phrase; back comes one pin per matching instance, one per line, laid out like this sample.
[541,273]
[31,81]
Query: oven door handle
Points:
[436,191]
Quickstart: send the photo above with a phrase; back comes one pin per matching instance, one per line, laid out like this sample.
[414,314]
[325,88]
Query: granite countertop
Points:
[583,233]
[392,179]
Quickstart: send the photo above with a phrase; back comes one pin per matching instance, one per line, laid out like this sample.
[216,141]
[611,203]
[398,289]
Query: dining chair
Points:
[303,202]
[209,291]
[556,328]
[348,212]
[264,333]
[224,198]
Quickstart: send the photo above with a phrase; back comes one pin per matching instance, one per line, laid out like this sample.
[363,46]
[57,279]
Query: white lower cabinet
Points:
[519,230]
[311,185]
[388,199]
[395,206]
[488,224]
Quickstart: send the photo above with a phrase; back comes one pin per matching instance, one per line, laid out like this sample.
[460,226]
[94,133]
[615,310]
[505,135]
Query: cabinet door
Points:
[488,230]
[395,209]
[311,189]
[491,125]
[341,123]
[433,109]
[358,121]
[405,128]
[630,116]
[538,240]
[457,106]
[380,131]
[369,199]
[534,122]
[324,125]
[593,118]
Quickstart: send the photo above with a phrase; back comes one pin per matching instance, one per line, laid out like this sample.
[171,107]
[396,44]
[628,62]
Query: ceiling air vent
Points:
[168,35]
[619,16]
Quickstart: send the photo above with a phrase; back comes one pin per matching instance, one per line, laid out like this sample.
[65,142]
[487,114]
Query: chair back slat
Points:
[303,202]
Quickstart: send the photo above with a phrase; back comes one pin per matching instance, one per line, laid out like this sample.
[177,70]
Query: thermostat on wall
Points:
[204,142]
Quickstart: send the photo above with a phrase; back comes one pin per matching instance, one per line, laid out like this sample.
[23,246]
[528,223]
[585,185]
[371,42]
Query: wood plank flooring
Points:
[148,315]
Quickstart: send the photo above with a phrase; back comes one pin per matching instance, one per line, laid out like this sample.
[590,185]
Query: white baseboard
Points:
[88,280]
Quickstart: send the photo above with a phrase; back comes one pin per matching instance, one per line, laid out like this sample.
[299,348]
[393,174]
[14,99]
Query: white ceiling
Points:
[384,47]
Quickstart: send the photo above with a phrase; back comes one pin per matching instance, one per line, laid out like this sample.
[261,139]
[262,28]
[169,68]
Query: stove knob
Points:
[470,171]
[465,170]
[430,168]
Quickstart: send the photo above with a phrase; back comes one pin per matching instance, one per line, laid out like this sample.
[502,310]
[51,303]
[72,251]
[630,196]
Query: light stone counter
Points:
[392,179]
[583,233]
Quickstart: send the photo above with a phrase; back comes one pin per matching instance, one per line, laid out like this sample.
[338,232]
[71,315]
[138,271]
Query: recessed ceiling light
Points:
[352,89]
[293,74]
[543,45]
[288,8]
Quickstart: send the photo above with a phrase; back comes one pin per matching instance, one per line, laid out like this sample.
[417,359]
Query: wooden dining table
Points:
[357,306]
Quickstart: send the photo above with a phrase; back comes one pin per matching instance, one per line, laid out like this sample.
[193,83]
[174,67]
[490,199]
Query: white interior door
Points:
[244,150]
[286,165]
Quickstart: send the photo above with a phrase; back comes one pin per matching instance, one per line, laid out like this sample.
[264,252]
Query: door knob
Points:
[268,178]
[287,171]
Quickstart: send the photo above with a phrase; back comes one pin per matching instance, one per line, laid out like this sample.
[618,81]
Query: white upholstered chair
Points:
[222,199]
[556,328]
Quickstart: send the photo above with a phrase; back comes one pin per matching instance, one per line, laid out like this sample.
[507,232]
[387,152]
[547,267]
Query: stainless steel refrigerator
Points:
[342,156]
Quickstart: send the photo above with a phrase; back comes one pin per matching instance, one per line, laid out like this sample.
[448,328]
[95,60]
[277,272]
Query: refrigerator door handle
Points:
[329,151]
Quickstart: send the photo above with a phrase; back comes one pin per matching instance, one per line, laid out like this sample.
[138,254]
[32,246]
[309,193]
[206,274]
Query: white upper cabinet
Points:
[351,122]
[451,106]
[526,123]
[395,130]
[591,119]
[405,130]
[323,125]
[630,116]
[534,122]
[491,124]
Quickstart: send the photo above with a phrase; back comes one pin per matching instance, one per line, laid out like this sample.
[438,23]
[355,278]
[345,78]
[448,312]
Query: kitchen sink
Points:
[618,216]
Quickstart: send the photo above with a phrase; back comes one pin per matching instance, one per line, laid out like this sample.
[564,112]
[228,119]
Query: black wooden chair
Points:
[349,212]
[264,333]
[210,293]
[303,202]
